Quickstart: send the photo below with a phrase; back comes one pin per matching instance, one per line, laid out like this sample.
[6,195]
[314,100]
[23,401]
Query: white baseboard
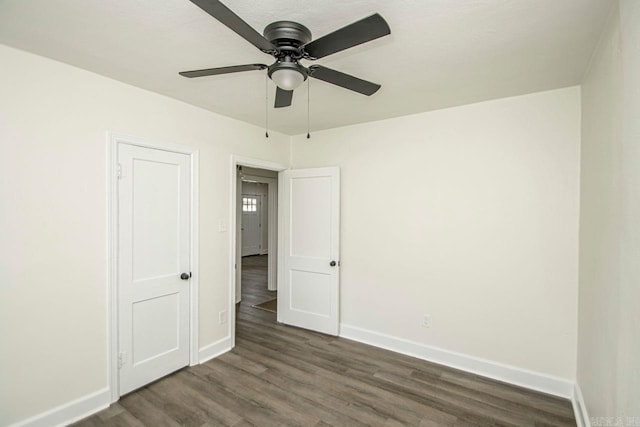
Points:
[579,407]
[90,404]
[486,368]
[215,349]
[99,400]
[69,412]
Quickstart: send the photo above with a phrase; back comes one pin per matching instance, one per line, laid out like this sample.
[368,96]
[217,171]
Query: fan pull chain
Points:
[308,106]
[266,105]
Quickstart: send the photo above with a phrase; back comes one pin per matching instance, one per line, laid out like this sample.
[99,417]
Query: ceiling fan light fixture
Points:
[287,78]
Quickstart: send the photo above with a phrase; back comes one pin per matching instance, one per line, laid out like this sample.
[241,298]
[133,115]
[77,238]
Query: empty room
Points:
[312,213]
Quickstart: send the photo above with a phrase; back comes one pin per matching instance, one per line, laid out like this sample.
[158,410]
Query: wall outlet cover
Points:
[426,321]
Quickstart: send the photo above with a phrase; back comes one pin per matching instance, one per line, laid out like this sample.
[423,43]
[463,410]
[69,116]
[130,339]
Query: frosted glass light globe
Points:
[287,79]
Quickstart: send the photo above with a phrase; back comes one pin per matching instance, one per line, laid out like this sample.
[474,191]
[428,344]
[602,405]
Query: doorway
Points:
[304,268]
[255,195]
[257,217]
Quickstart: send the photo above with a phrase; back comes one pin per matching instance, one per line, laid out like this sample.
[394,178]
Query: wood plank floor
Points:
[279,375]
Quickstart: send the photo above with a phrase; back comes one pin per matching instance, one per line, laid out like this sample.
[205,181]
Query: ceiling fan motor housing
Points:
[288,36]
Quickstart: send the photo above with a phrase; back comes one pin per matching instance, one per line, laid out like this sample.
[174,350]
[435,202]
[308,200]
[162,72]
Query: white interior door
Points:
[153,299]
[308,280]
[251,224]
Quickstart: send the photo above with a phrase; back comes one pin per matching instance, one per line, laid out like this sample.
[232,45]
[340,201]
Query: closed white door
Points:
[251,224]
[309,280]
[153,298]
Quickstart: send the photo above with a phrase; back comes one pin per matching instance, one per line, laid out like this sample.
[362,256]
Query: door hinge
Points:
[122,358]
[121,172]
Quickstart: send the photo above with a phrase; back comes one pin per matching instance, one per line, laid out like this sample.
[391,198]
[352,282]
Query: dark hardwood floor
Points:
[279,375]
[254,282]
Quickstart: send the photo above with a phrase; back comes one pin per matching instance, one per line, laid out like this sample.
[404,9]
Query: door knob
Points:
[332,263]
[185,276]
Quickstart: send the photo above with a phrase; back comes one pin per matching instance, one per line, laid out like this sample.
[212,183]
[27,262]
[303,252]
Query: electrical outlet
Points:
[426,321]
[222,227]
[223,317]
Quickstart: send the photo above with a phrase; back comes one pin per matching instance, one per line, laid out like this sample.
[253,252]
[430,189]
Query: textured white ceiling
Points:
[440,53]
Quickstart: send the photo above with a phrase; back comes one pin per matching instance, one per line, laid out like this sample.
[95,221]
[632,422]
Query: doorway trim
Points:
[113,141]
[233,171]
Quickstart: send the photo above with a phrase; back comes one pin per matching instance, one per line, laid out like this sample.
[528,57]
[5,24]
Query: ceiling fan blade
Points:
[343,80]
[359,32]
[283,98]
[223,14]
[222,70]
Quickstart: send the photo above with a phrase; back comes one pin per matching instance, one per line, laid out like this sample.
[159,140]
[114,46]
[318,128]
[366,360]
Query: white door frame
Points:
[113,140]
[272,225]
[233,173]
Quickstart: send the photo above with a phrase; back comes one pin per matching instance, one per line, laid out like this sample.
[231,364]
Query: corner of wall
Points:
[579,407]
[290,151]
[215,349]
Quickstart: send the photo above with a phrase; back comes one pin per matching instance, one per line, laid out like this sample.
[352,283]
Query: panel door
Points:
[154,245]
[251,224]
[309,280]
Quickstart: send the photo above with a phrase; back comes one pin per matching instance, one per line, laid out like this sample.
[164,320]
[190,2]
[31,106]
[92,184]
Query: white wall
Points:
[486,243]
[609,316]
[53,222]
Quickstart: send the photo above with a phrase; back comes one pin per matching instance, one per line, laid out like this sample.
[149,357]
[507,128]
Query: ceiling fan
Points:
[289,42]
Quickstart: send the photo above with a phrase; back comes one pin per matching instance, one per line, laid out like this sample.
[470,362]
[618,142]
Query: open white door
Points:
[153,264]
[308,277]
